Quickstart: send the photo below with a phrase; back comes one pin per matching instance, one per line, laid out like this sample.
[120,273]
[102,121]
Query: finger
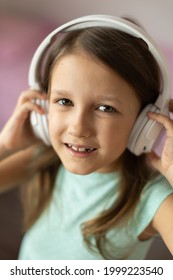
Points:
[23,112]
[164,120]
[30,95]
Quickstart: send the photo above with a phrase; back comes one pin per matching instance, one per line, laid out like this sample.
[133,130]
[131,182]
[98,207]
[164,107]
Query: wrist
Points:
[4,151]
[2,148]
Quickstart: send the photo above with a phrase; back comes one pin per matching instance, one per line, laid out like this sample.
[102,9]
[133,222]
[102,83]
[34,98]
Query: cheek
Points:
[117,134]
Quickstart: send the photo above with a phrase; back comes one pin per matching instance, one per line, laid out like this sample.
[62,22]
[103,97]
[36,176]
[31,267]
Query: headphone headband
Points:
[145,132]
[103,21]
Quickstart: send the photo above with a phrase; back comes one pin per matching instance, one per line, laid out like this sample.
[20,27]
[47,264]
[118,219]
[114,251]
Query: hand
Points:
[17,133]
[164,163]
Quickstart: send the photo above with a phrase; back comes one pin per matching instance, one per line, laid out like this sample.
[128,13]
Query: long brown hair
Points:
[130,58]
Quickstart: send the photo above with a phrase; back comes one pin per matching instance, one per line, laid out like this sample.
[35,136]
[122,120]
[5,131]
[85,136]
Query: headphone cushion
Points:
[39,122]
[145,132]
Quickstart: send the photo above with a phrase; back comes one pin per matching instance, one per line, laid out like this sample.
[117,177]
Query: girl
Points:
[91,198]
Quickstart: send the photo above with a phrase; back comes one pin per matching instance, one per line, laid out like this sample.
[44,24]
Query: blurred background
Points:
[23,25]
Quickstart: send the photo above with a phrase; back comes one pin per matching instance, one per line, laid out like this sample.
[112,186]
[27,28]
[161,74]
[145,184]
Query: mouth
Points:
[80,149]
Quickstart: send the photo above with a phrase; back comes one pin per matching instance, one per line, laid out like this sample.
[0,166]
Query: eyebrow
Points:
[110,98]
[59,92]
[100,97]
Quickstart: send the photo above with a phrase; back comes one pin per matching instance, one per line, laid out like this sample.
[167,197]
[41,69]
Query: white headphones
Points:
[145,131]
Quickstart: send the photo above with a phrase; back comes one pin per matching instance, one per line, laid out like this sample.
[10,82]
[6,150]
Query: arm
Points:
[18,145]
[3,151]
[17,133]
[164,163]
[163,222]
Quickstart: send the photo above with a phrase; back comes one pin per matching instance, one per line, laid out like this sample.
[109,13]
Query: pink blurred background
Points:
[23,24]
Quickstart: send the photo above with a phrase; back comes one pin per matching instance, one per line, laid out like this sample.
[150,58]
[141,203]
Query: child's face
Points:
[91,114]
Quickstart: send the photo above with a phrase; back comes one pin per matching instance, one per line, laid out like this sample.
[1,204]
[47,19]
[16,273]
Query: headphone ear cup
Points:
[145,132]
[39,122]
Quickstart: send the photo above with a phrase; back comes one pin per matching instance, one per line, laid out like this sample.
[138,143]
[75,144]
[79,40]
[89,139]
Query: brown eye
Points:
[65,102]
[106,108]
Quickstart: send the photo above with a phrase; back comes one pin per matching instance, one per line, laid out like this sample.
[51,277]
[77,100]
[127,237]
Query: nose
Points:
[80,124]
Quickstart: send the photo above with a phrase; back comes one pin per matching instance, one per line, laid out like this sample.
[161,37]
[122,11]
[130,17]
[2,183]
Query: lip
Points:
[77,153]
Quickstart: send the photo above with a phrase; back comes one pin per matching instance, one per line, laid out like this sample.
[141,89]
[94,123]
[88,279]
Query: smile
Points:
[80,149]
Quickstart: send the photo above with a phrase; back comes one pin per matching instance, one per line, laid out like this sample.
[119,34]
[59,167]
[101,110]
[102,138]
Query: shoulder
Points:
[153,195]
[156,190]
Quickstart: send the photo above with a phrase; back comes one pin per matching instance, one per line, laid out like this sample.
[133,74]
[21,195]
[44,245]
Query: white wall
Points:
[155,15]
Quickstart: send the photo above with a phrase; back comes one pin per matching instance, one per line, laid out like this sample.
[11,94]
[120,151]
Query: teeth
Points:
[81,150]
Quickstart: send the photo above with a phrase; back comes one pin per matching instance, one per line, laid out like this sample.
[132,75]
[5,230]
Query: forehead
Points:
[80,72]
[83,63]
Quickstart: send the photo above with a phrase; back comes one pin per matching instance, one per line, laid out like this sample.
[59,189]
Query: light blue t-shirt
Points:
[78,198]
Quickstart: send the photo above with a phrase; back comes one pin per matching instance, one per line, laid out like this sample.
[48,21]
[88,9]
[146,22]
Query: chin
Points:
[78,170]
